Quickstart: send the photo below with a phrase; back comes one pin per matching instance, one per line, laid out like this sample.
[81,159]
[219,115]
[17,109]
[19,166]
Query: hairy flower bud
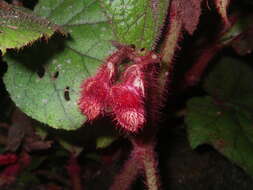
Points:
[127,100]
[95,91]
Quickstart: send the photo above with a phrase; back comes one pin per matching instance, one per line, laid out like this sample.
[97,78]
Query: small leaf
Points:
[76,150]
[41,132]
[225,120]
[104,141]
[20,27]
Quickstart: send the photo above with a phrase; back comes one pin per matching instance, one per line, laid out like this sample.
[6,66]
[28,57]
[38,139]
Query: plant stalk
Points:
[193,76]
[169,47]
[173,35]
[150,166]
[74,172]
[125,178]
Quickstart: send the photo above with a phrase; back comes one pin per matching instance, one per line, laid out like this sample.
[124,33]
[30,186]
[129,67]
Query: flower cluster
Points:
[124,96]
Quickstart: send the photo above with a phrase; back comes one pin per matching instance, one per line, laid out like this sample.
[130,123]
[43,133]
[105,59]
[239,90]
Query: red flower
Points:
[95,91]
[127,99]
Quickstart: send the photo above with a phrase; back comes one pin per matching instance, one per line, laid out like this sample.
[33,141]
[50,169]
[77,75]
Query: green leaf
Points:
[76,150]
[105,141]
[231,82]
[136,22]
[225,118]
[41,132]
[44,80]
[20,27]
[223,129]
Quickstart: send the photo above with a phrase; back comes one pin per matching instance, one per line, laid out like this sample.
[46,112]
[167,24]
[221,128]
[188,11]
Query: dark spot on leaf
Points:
[142,49]
[41,72]
[56,74]
[30,3]
[132,46]
[66,94]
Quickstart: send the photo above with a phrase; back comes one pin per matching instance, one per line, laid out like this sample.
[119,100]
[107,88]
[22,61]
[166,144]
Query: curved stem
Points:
[193,76]
[150,166]
[74,172]
[170,46]
[170,43]
[127,175]
[144,154]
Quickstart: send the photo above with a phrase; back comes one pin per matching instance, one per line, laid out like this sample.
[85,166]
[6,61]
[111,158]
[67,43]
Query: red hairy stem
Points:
[173,35]
[142,159]
[183,15]
[193,76]
[168,50]
[146,155]
[150,169]
[195,73]
[74,172]
[128,174]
